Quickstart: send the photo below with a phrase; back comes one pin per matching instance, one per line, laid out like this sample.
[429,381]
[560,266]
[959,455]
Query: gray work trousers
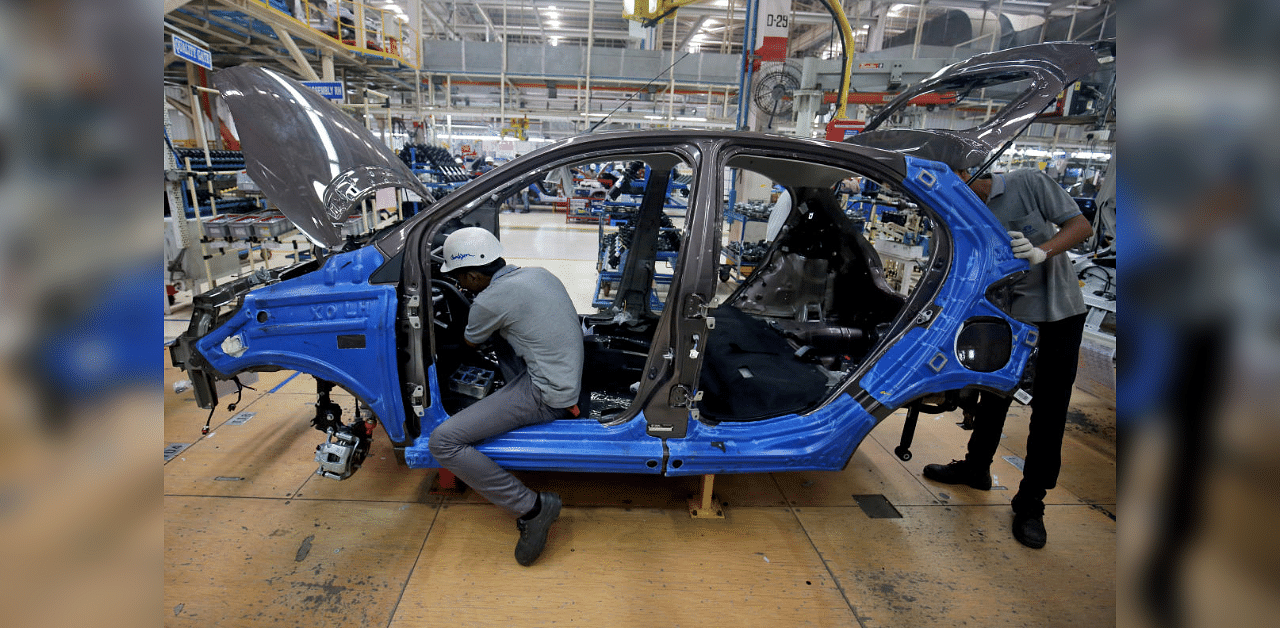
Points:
[517,404]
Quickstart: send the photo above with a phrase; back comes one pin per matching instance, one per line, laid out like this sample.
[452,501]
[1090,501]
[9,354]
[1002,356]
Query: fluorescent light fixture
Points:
[1089,155]
[690,119]
[655,117]
[553,23]
[552,15]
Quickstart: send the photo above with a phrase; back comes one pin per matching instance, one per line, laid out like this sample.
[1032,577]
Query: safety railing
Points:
[360,27]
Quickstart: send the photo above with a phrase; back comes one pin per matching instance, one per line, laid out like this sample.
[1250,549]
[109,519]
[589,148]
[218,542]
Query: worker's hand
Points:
[1023,249]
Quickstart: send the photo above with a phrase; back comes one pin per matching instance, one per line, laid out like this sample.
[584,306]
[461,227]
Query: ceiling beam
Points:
[444,24]
[693,30]
[485,16]
[303,66]
[205,29]
[180,107]
[288,63]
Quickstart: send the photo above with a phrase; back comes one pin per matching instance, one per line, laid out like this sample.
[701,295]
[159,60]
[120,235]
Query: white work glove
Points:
[1022,248]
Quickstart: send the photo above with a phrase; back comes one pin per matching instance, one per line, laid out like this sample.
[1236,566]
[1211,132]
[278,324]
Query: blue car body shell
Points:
[300,323]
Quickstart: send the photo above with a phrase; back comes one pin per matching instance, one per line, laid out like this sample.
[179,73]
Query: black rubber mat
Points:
[877,507]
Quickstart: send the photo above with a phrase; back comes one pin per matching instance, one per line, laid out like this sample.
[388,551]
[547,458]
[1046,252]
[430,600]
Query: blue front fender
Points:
[331,323]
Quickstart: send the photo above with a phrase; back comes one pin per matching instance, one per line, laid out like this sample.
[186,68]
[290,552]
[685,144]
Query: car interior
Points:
[786,335]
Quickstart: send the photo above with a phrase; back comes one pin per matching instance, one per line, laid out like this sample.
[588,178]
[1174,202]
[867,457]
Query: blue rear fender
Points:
[924,360]
[331,323]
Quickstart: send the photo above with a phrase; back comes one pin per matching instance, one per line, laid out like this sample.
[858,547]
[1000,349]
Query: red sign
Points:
[871,66]
[773,24]
[772,49]
[838,130]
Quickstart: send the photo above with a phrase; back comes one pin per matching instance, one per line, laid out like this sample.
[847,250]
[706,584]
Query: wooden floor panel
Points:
[608,567]
[960,566]
[268,562]
[254,538]
[271,455]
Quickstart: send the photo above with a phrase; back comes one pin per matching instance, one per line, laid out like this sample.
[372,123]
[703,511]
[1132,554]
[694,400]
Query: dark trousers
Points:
[1059,353]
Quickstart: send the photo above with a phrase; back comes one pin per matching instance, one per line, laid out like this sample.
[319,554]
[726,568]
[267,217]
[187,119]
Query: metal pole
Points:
[999,28]
[744,74]
[502,75]
[204,247]
[591,34]
[915,49]
[671,74]
[208,162]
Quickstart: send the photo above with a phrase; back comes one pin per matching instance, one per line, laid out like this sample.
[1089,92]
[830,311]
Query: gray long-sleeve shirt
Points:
[531,309]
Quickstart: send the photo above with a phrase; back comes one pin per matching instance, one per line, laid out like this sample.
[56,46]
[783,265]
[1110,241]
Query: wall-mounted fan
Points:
[773,90]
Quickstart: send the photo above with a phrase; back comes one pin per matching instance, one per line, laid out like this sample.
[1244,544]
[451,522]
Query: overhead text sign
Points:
[192,52]
[329,89]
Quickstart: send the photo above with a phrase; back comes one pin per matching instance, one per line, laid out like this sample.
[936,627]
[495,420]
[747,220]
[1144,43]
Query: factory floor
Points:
[254,538]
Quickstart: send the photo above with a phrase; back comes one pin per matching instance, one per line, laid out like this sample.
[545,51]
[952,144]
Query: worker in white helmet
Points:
[532,311]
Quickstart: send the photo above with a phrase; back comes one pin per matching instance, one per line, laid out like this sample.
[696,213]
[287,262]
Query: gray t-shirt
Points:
[530,308]
[1030,202]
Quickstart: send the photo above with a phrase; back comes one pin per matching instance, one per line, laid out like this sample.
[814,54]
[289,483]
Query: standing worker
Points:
[1043,222]
[531,309]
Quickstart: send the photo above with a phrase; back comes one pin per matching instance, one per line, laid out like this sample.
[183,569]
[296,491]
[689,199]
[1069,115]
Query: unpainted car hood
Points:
[1050,68]
[315,162]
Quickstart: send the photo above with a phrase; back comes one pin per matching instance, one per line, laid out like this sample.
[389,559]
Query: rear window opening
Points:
[812,294]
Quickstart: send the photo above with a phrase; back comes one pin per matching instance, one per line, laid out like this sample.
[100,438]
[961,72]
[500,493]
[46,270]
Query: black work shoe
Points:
[1030,531]
[533,532]
[960,472]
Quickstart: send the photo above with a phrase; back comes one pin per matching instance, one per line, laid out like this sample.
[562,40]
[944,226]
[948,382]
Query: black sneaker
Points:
[1029,531]
[533,533]
[960,472]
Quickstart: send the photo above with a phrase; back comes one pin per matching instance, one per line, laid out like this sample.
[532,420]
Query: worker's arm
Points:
[1070,233]
[481,325]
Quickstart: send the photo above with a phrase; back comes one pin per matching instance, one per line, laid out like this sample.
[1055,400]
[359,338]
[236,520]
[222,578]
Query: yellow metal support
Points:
[651,12]
[846,36]
[706,506]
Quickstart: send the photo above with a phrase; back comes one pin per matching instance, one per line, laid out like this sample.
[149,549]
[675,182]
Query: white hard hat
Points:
[470,246]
